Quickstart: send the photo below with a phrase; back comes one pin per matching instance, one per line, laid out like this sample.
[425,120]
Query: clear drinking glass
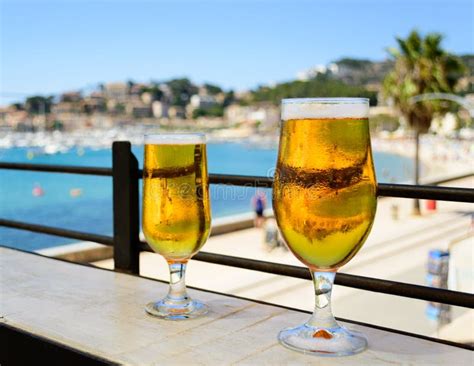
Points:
[324,198]
[176,213]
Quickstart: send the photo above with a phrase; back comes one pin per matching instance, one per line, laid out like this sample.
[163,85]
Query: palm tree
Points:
[421,66]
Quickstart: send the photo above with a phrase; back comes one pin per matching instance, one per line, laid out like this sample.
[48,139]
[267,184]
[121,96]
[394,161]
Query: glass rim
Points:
[170,138]
[337,100]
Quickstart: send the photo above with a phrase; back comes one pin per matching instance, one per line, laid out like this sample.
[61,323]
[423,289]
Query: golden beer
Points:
[324,190]
[324,198]
[176,210]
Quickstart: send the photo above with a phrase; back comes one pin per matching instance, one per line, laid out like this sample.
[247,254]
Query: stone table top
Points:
[101,312]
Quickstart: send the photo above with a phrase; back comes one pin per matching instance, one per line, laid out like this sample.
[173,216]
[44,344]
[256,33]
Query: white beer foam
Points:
[304,108]
[175,139]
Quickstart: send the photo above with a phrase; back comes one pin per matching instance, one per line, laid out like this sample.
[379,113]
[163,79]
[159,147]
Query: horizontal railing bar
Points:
[267,182]
[241,180]
[101,239]
[68,169]
[449,297]
[426,192]
[235,180]
[383,189]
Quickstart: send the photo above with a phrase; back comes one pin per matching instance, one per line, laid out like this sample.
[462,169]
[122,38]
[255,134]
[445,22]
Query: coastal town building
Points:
[14,118]
[138,109]
[176,112]
[236,113]
[159,109]
[265,115]
[202,102]
[314,71]
[446,125]
[94,103]
[147,98]
[136,89]
[116,91]
[66,107]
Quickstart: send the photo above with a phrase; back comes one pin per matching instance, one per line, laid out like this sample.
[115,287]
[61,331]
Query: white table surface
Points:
[101,312]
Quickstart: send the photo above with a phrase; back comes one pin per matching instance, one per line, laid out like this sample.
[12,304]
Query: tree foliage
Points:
[39,104]
[468,61]
[421,66]
[154,90]
[321,86]
[354,63]
[18,106]
[212,89]
[214,111]
[182,90]
[229,98]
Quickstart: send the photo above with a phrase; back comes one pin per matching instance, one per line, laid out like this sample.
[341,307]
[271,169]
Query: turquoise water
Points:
[92,210]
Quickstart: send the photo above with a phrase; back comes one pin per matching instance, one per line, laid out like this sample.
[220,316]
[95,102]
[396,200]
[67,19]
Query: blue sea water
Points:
[92,210]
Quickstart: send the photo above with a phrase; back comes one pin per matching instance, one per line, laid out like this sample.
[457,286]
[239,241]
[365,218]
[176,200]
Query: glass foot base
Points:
[336,341]
[176,310]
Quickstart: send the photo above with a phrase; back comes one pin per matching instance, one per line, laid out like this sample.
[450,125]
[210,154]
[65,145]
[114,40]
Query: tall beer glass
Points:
[176,213]
[324,202]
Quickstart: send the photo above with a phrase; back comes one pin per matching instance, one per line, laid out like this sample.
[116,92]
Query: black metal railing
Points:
[127,245]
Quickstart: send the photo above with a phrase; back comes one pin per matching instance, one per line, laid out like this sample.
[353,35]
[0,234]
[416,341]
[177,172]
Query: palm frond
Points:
[421,66]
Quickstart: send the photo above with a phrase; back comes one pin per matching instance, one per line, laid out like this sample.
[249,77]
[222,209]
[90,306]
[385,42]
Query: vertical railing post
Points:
[126,215]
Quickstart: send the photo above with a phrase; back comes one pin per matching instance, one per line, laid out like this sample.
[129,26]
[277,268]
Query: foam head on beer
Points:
[324,190]
[175,139]
[324,108]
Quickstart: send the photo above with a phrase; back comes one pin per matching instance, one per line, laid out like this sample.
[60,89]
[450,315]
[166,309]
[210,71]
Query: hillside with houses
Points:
[180,102]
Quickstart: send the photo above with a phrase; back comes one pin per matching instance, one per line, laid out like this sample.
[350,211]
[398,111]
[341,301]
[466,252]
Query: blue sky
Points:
[54,46]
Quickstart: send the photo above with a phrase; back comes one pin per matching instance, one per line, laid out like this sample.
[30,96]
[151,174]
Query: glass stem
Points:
[322,316]
[177,290]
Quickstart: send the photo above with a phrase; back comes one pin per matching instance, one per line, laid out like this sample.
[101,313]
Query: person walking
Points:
[259,202]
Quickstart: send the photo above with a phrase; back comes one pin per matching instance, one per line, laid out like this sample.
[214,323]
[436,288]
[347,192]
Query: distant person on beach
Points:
[259,202]
[270,238]
[37,190]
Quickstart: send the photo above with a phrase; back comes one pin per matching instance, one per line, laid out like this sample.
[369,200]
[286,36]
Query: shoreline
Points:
[439,156]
